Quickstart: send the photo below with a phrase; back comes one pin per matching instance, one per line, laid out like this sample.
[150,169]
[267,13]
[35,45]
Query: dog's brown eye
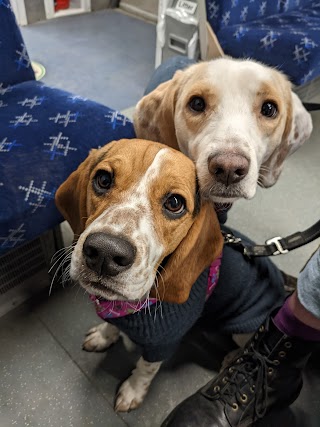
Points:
[197,104]
[175,204]
[102,181]
[269,109]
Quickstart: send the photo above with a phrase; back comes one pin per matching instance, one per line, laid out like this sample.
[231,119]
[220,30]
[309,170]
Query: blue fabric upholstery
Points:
[281,33]
[15,64]
[45,133]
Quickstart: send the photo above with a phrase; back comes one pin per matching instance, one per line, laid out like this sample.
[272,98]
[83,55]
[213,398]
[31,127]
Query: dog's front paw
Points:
[100,337]
[133,390]
[130,397]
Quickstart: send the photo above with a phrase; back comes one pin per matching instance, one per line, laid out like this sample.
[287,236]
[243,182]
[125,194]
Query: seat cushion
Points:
[15,65]
[45,134]
[288,39]
[221,13]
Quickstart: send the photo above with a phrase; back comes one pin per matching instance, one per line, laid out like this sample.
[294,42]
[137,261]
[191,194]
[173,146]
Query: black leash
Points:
[275,246]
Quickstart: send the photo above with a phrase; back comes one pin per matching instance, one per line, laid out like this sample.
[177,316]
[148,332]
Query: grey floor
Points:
[46,379]
[105,56]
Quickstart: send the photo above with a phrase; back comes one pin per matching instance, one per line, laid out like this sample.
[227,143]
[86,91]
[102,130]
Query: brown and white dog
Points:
[237,120]
[134,203]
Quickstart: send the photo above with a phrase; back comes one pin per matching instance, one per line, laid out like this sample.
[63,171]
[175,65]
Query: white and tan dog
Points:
[237,120]
[134,204]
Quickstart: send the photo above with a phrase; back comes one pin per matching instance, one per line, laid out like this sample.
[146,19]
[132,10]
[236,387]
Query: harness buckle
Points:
[231,239]
[276,241]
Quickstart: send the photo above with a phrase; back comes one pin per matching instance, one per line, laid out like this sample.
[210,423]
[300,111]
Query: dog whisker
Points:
[66,250]
[144,304]
[63,250]
[159,276]
[148,298]
[66,274]
[64,258]
[158,297]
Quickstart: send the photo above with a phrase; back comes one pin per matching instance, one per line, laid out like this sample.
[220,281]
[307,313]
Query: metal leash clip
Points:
[277,242]
[236,242]
[231,239]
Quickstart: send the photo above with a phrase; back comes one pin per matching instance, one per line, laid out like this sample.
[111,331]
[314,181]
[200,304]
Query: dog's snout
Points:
[228,168]
[108,255]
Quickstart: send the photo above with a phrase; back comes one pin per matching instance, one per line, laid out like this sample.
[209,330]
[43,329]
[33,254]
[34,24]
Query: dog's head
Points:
[236,119]
[134,204]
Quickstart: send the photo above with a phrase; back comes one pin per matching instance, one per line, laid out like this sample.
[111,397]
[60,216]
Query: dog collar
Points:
[111,309]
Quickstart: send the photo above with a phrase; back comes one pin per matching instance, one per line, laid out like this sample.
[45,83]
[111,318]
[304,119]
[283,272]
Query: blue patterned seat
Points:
[282,33]
[44,135]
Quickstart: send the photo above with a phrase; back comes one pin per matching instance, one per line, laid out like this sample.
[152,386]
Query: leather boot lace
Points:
[251,368]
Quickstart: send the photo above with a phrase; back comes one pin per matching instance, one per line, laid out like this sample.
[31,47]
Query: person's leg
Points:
[166,71]
[303,314]
[300,315]
[267,373]
[309,289]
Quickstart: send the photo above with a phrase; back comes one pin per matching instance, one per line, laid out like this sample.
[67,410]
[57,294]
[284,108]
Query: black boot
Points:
[265,375]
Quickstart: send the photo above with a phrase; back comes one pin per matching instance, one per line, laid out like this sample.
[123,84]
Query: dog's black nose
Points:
[228,169]
[108,255]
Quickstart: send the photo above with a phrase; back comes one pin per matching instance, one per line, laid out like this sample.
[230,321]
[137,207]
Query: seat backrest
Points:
[15,65]
[222,13]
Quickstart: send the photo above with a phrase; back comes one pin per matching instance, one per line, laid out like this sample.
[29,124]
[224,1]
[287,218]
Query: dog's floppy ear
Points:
[302,125]
[201,246]
[297,131]
[71,196]
[154,115]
